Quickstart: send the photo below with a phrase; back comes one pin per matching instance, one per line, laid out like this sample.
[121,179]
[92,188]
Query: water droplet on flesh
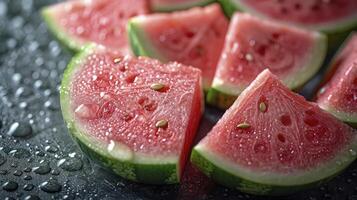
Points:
[87,111]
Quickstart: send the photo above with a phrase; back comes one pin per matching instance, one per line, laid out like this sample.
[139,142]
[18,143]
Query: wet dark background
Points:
[38,159]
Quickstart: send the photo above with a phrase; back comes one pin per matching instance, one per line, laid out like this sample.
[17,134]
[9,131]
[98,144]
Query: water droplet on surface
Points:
[50,186]
[27,177]
[20,153]
[39,153]
[43,169]
[2,159]
[27,169]
[55,172]
[28,187]
[70,164]
[32,197]
[17,173]
[22,129]
[352,152]
[10,186]
[51,149]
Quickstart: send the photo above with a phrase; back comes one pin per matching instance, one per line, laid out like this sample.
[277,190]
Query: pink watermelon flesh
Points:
[253,44]
[194,37]
[310,13]
[115,102]
[290,135]
[103,22]
[339,93]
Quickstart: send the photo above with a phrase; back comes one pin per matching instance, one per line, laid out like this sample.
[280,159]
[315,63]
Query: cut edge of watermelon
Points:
[179,6]
[348,23]
[229,174]
[349,118]
[139,41]
[141,45]
[223,94]
[73,43]
[139,168]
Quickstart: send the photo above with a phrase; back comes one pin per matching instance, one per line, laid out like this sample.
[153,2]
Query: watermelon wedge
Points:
[77,23]
[134,115]
[338,94]
[253,44]
[183,37]
[273,142]
[172,5]
[330,16]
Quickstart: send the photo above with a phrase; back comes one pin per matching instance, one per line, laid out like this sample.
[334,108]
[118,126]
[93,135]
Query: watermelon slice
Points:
[77,23]
[171,5]
[135,115]
[273,142]
[253,44]
[339,92]
[182,36]
[329,16]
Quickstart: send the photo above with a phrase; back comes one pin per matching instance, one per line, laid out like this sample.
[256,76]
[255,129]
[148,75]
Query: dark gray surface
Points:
[31,66]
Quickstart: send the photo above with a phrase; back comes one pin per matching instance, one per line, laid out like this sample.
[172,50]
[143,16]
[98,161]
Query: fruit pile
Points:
[133,95]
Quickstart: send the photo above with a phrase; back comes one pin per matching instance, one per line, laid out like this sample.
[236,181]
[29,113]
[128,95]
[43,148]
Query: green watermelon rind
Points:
[139,41]
[182,6]
[73,43]
[219,99]
[222,94]
[141,168]
[348,118]
[230,174]
[225,173]
[344,25]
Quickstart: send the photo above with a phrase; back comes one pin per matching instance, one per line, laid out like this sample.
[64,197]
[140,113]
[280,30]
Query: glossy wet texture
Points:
[31,67]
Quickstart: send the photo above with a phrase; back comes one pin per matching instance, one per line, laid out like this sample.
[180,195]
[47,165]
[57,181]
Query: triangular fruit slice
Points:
[135,115]
[329,16]
[339,92]
[172,5]
[253,44]
[77,23]
[273,142]
[193,37]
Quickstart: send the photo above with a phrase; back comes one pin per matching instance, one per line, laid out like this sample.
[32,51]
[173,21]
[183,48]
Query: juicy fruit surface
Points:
[340,90]
[194,37]
[253,45]
[307,12]
[103,22]
[273,130]
[134,102]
